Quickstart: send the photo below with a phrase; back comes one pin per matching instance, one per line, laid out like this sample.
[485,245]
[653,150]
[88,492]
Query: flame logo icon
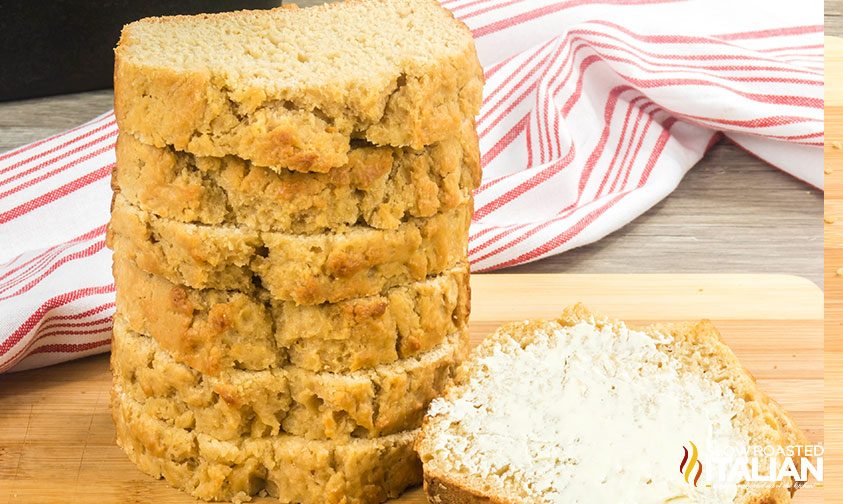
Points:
[689,460]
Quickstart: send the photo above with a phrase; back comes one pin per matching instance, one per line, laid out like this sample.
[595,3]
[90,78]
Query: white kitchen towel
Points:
[593,112]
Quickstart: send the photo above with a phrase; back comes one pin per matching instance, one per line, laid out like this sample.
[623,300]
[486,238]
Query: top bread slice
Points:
[293,87]
[583,409]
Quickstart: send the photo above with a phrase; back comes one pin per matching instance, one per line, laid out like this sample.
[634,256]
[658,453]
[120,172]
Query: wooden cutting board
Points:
[834,257]
[57,441]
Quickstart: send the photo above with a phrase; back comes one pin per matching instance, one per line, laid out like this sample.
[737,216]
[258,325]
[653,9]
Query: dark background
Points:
[65,46]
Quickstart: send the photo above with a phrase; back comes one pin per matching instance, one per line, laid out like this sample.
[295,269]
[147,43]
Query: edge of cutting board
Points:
[669,296]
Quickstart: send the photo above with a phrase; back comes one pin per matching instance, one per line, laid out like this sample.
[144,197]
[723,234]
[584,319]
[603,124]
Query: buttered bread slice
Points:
[586,410]
[293,88]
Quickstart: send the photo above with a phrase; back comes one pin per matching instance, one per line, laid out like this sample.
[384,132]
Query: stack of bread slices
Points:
[293,192]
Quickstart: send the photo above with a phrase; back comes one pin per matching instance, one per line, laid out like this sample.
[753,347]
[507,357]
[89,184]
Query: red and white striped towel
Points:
[593,112]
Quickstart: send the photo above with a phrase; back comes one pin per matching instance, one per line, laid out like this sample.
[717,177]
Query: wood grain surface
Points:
[57,440]
[834,17]
[834,257]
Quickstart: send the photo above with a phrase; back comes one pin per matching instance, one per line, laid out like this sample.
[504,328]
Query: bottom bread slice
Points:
[243,403]
[289,468]
[583,409]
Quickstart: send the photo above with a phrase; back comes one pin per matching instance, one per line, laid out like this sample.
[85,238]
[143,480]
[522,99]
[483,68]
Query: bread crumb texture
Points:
[292,199]
[239,403]
[289,468]
[308,269]
[379,186]
[212,330]
[583,410]
[293,88]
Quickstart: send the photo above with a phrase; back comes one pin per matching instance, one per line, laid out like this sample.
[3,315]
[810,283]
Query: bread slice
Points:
[379,186]
[215,330]
[289,468]
[293,88]
[583,409]
[308,269]
[238,403]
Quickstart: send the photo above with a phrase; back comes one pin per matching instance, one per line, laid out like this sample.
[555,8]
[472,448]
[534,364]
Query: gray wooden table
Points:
[834,17]
[732,213]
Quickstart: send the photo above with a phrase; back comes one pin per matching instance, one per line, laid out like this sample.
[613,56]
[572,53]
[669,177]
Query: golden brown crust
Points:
[443,490]
[236,403]
[288,468]
[379,186]
[700,348]
[216,330]
[308,269]
[412,104]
